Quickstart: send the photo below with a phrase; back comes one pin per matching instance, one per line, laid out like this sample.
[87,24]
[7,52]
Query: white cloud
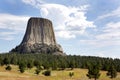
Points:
[115,13]
[111,31]
[110,36]
[65,34]
[68,21]
[11,25]
[101,54]
[8,38]
[7,35]
[34,3]
[101,43]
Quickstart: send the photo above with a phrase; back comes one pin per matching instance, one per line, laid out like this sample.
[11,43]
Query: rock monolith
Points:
[39,38]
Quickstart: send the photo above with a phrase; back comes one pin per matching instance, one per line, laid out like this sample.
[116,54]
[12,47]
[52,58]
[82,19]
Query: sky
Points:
[82,27]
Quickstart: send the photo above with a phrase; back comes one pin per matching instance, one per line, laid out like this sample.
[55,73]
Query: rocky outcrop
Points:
[39,38]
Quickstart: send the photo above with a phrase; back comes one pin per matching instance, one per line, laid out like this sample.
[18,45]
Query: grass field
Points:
[79,74]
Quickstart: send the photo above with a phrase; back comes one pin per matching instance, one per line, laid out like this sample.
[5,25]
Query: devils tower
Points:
[39,38]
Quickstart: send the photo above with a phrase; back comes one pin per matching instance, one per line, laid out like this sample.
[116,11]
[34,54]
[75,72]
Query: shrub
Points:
[37,71]
[8,67]
[71,74]
[30,65]
[22,70]
[47,73]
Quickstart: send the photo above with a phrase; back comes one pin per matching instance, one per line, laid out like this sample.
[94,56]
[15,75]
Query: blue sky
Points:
[82,27]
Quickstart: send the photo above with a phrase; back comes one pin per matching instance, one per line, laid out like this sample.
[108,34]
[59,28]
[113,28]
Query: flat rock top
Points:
[39,18]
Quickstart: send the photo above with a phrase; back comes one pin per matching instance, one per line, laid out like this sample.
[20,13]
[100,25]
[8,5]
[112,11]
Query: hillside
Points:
[60,66]
[79,74]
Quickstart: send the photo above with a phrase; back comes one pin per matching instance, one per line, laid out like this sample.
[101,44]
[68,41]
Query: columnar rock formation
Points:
[39,38]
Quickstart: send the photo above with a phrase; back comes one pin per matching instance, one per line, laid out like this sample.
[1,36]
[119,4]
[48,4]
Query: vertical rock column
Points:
[39,30]
[39,38]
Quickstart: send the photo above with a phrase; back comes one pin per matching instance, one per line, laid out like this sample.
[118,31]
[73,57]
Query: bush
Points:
[47,73]
[8,67]
[37,71]
[22,70]
[71,74]
[22,67]
[30,65]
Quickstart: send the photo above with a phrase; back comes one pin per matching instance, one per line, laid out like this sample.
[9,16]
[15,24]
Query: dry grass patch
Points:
[79,74]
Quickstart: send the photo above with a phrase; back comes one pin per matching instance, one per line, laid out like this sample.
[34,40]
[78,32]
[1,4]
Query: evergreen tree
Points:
[63,65]
[58,62]
[30,64]
[112,72]
[72,65]
[54,65]
[37,63]
[6,61]
[22,67]
[93,71]
[13,60]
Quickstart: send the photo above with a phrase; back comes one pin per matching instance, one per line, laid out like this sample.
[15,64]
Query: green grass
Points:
[79,74]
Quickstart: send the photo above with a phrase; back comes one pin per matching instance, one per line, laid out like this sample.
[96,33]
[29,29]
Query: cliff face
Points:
[39,30]
[39,38]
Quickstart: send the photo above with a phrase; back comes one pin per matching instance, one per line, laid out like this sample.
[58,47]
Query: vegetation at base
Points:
[37,71]
[112,72]
[30,64]
[47,73]
[8,68]
[6,61]
[46,61]
[22,67]
[71,74]
[94,71]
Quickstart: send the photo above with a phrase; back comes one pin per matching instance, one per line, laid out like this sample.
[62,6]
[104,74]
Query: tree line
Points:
[46,61]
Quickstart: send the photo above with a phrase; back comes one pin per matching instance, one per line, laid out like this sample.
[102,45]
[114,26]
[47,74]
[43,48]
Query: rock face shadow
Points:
[39,38]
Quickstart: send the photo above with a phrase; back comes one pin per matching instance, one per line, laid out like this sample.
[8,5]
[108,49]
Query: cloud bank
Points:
[109,33]
[68,21]
[11,25]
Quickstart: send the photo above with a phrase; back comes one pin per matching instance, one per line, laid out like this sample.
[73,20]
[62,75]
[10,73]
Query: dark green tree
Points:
[22,67]
[63,64]
[37,63]
[30,64]
[13,60]
[54,65]
[72,64]
[46,65]
[6,61]
[112,72]
[58,62]
[93,71]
